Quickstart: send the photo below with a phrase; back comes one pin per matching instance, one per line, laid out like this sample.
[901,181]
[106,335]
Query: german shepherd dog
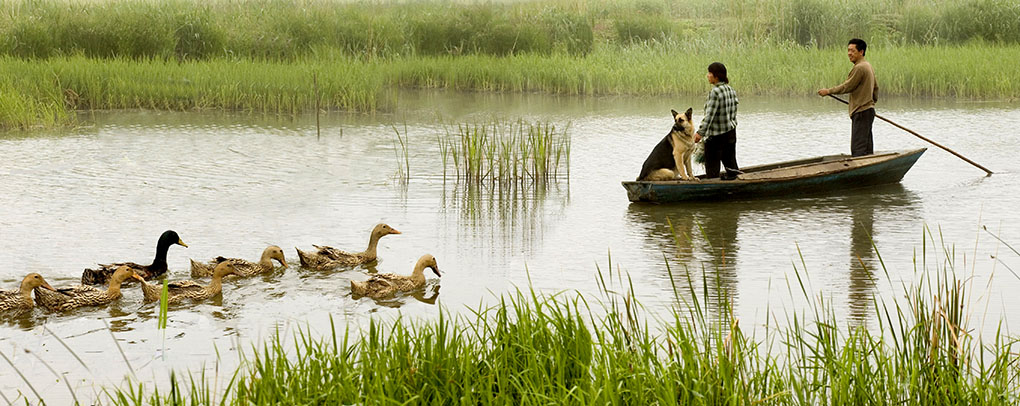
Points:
[671,157]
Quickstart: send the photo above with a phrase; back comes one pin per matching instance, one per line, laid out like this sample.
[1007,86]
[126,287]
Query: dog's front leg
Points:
[683,166]
[687,163]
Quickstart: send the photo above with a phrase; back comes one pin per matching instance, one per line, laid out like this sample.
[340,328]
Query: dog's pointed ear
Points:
[689,113]
[675,114]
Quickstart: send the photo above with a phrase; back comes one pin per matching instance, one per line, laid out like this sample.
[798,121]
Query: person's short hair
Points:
[719,71]
[860,44]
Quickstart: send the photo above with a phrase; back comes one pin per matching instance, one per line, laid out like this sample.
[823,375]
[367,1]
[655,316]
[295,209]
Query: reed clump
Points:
[506,152]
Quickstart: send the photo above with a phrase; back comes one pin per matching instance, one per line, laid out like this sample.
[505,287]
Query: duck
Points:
[243,267]
[180,291]
[101,275]
[83,295]
[327,258]
[18,301]
[383,285]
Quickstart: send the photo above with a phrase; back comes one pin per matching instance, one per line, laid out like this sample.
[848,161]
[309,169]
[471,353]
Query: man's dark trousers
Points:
[861,141]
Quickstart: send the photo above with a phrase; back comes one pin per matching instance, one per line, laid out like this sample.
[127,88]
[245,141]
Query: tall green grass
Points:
[25,104]
[262,55]
[82,83]
[972,71]
[46,92]
[274,29]
[565,348]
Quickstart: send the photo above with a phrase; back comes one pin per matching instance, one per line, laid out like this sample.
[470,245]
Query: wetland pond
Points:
[232,183]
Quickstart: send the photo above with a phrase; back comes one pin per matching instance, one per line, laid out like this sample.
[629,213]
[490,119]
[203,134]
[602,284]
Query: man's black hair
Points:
[860,44]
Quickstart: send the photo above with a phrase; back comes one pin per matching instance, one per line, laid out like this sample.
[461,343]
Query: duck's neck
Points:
[266,260]
[26,294]
[160,260]
[114,289]
[373,242]
[216,284]
[418,275]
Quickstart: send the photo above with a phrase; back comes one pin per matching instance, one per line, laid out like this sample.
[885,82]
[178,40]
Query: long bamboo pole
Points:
[989,173]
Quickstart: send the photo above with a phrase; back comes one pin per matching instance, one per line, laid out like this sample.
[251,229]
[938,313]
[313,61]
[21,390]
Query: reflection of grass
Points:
[566,348]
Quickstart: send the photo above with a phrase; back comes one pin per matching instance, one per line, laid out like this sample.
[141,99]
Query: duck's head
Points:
[429,261]
[274,252]
[170,237]
[123,273]
[34,280]
[224,269]
[382,230]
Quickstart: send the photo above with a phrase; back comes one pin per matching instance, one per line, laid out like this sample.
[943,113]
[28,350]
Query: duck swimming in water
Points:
[101,275]
[180,291]
[243,267]
[327,258]
[383,285]
[19,301]
[80,296]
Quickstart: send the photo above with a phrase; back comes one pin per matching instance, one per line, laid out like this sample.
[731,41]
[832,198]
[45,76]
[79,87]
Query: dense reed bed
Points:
[534,348]
[276,29]
[45,92]
[260,55]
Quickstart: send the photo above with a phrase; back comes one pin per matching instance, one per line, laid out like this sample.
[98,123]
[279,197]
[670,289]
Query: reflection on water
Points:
[702,237]
[864,261]
[512,214]
[426,294]
[705,239]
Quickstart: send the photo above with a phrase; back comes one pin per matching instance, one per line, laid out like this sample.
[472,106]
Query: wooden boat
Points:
[804,176]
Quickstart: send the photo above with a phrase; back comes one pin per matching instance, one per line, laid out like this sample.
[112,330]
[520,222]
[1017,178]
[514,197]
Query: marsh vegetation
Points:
[261,55]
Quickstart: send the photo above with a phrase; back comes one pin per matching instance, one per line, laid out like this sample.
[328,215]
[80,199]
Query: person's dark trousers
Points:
[861,141]
[721,147]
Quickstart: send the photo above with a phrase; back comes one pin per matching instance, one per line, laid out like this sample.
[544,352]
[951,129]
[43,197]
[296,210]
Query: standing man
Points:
[863,89]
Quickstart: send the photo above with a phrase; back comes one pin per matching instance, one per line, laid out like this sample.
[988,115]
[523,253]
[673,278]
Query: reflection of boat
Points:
[804,176]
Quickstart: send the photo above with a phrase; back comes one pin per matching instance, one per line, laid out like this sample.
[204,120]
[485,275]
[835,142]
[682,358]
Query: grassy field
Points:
[261,55]
[532,348]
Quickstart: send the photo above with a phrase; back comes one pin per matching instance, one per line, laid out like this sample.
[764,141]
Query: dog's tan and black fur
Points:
[671,157]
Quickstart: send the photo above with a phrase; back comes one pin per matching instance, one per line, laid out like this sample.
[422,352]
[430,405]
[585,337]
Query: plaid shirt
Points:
[720,111]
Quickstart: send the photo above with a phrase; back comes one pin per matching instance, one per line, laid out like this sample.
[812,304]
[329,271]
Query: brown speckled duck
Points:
[327,258]
[180,291]
[383,285]
[101,275]
[243,267]
[79,296]
[18,301]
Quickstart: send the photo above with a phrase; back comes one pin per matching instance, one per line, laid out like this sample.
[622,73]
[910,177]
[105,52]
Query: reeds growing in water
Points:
[506,152]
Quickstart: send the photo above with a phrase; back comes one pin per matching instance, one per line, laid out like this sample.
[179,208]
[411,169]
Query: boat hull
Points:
[803,177]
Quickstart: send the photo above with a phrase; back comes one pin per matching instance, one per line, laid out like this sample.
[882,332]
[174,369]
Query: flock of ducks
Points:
[114,275]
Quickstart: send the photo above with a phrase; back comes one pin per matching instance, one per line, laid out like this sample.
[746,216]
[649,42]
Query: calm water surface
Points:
[231,184]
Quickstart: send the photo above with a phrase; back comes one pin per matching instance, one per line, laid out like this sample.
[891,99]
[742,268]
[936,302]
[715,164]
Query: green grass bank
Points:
[261,55]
